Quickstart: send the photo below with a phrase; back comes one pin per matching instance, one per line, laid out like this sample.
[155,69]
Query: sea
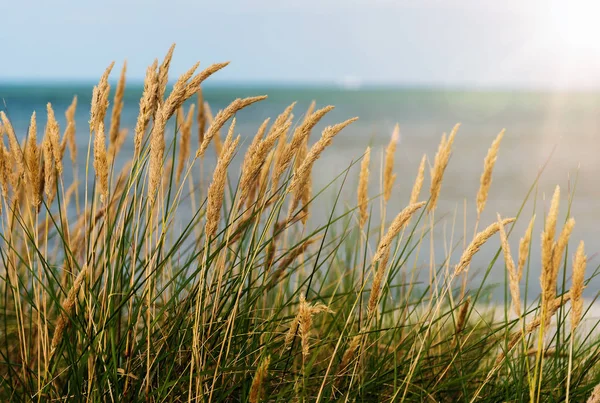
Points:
[552,138]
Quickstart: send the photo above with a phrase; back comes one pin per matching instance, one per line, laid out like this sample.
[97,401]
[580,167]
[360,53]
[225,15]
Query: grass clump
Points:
[154,282]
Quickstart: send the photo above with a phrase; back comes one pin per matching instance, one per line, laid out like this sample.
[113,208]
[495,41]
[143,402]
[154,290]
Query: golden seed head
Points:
[513,276]
[579,264]
[462,315]
[216,190]
[255,159]
[185,139]
[100,100]
[389,177]
[69,135]
[548,235]
[194,85]
[550,277]
[302,174]
[363,188]
[395,228]
[101,162]
[163,76]
[32,157]
[524,247]
[178,94]
[49,173]
[68,307]
[5,170]
[284,158]
[477,243]
[54,134]
[115,120]
[418,185]
[303,323]
[148,106]
[222,117]
[256,388]
[15,148]
[217,142]
[201,117]
[439,167]
[157,150]
[486,176]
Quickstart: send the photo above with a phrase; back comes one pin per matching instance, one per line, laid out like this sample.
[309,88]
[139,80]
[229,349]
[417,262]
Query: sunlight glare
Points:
[576,24]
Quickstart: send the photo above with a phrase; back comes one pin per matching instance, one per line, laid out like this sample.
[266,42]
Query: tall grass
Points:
[156,282]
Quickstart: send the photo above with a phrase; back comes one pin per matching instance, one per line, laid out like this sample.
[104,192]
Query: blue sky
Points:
[511,43]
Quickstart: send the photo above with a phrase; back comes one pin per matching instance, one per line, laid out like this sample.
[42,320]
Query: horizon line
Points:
[312,84]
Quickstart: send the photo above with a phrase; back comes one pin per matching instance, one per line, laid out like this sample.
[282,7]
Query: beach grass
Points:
[167,279]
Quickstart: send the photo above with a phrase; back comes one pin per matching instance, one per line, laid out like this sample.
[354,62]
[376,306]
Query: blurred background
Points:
[530,67]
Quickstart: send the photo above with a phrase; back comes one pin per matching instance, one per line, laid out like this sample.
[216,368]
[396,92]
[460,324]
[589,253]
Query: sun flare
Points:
[576,24]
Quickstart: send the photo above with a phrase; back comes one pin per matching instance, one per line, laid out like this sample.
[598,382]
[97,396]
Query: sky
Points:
[461,43]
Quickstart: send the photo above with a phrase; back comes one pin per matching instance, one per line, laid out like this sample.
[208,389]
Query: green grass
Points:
[165,314]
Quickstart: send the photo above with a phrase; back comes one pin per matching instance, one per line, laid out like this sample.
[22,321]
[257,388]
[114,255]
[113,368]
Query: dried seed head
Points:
[302,174]
[217,136]
[524,247]
[363,188]
[548,235]
[201,117]
[32,157]
[222,117]
[263,179]
[184,145]
[253,161]
[416,190]
[462,315]
[15,148]
[302,323]
[302,150]
[115,120]
[53,132]
[486,176]
[439,167]
[394,229]
[216,189]
[69,135]
[157,151]
[178,95]
[100,100]
[101,162]
[163,76]
[376,286]
[513,277]
[550,231]
[284,158]
[49,173]
[194,84]
[147,106]
[389,177]
[579,263]
[350,351]
[256,389]
[310,110]
[67,309]
[551,276]
[5,171]
[477,243]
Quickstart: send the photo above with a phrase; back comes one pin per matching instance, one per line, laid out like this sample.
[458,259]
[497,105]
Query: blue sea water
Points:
[560,128]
